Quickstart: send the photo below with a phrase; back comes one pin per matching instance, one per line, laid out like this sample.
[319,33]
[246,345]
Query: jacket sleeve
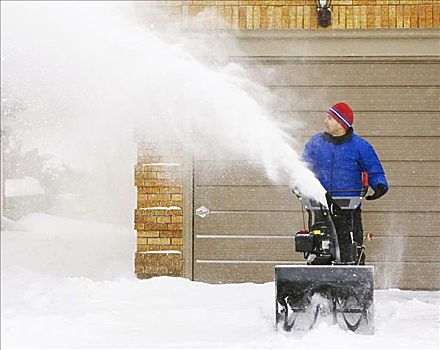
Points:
[371,164]
[307,155]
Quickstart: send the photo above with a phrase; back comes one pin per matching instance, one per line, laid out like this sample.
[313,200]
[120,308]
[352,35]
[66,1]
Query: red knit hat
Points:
[342,113]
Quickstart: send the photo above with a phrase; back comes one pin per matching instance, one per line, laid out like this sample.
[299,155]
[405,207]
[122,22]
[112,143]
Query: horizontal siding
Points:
[280,198]
[367,98]
[252,198]
[418,223]
[248,173]
[406,148]
[406,275]
[378,123]
[394,224]
[388,148]
[410,173]
[345,73]
[234,272]
[414,199]
[380,249]
[253,249]
[229,173]
[249,223]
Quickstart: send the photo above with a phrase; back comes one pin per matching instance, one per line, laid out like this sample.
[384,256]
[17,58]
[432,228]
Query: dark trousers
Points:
[350,220]
[354,220]
[358,231]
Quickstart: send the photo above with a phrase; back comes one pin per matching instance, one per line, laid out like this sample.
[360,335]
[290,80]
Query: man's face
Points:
[332,127]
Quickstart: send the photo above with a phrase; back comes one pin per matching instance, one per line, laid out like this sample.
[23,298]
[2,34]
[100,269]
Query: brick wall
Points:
[301,14]
[158,216]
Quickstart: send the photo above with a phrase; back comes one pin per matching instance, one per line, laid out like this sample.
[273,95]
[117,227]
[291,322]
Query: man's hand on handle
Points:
[380,191]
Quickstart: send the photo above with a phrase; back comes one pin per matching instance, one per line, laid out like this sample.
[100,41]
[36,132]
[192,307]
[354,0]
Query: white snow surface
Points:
[70,284]
[27,186]
[161,208]
[160,164]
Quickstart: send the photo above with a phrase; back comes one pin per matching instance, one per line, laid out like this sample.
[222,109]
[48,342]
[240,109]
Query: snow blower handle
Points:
[364,184]
[333,207]
[295,190]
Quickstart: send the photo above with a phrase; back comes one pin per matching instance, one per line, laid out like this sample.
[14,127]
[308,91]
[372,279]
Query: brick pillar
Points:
[159,213]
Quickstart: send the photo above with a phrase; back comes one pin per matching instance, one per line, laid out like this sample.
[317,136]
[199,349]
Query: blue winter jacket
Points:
[338,163]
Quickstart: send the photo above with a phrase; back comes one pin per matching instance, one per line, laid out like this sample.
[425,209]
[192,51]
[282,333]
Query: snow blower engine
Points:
[334,283]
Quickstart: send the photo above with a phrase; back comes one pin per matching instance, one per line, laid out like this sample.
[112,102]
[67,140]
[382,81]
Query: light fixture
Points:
[324,12]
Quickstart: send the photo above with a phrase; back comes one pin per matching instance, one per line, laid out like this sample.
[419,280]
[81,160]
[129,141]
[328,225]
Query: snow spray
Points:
[86,75]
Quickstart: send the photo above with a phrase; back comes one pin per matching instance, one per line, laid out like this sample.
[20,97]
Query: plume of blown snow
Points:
[88,76]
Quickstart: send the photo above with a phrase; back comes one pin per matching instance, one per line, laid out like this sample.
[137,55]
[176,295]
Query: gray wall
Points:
[391,81]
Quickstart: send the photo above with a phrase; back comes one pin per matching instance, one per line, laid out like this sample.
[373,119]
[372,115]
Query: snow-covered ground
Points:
[67,283]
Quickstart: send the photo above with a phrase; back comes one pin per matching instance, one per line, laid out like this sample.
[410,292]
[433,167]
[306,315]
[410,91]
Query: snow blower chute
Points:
[333,284]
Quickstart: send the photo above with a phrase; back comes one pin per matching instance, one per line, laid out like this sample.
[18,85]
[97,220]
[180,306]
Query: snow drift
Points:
[57,293]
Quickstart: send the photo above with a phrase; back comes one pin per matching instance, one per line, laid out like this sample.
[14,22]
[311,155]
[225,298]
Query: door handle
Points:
[202,212]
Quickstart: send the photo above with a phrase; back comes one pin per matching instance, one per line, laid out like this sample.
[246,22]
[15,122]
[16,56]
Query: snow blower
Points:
[333,284]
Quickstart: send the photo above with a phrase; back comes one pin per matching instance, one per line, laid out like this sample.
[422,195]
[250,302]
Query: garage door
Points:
[251,222]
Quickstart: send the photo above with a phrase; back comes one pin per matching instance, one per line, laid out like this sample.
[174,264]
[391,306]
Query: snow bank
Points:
[27,186]
[44,311]
[67,284]
[65,247]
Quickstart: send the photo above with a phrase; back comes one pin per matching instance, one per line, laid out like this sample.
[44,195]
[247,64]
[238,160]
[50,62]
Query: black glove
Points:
[380,191]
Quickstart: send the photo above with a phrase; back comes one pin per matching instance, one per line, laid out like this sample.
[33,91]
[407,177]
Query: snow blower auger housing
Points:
[332,284]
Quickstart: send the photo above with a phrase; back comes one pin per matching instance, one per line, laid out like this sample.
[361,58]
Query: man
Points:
[338,157]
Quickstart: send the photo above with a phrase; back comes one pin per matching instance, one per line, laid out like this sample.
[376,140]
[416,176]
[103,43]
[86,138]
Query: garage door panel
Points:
[398,249]
[360,98]
[345,73]
[247,173]
[224,172]
[388,149]
[280,198]
[253,248]
[380,249]
[412,173]
[249,223]
[235,272]
[418,199]
[402,224]
[403,148]
[406,148]
[246,198]
[406,275]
